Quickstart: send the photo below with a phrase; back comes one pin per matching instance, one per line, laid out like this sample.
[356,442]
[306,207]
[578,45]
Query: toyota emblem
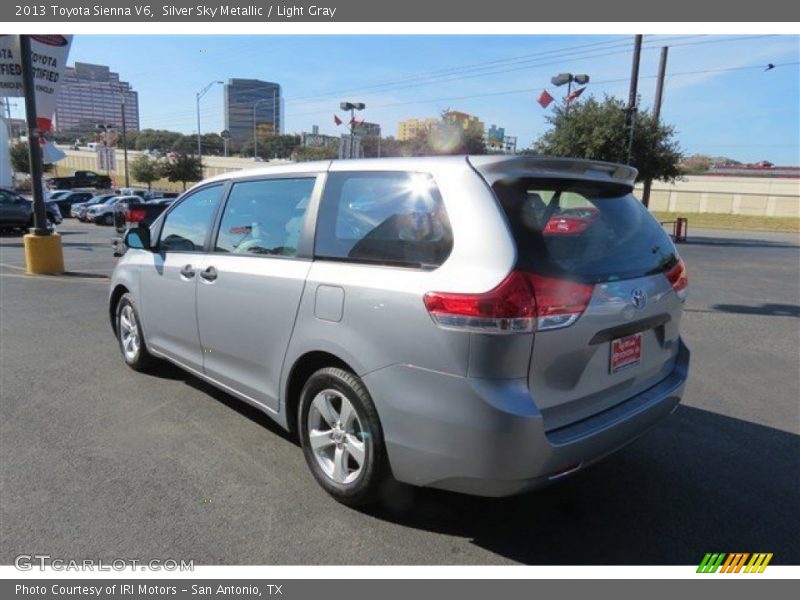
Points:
[639,298]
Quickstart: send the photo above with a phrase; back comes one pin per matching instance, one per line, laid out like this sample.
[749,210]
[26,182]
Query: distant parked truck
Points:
[80,179]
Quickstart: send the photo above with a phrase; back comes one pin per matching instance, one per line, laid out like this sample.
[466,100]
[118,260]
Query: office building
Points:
[463,120]
[411,128]
[91,95]
[252,106]
[364,128]
[496,139]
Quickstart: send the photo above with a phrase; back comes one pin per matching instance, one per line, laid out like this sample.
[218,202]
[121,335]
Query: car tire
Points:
[130,336]
[347,455]
[108,219]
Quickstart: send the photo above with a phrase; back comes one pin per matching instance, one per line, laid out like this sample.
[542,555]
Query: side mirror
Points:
[138,238]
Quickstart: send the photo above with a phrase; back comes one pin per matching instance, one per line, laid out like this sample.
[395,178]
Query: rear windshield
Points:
[581,230]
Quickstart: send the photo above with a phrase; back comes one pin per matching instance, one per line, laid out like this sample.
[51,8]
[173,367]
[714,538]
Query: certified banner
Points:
[49,57]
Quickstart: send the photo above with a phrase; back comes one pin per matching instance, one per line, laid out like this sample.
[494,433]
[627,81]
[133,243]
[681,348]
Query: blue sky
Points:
[727,109]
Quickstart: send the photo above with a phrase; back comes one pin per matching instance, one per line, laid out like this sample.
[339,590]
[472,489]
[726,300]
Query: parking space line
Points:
[56,278]
[7,266]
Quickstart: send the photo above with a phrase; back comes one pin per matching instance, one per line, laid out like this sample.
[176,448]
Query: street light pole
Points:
[199,95]
[352,107]
[125,143]
[568,78]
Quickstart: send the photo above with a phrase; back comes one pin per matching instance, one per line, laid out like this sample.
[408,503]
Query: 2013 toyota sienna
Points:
[479,324]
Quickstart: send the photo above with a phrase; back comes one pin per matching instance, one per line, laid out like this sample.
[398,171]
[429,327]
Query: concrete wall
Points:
[84,160]
[771,197]
[757,196]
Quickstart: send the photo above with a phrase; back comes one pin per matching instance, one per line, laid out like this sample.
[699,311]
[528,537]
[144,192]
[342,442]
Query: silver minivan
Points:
[479,324]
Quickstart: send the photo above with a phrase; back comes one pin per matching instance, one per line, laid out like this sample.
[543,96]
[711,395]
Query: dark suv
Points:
[16,212]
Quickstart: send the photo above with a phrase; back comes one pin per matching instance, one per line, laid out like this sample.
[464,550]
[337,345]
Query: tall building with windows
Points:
[93,94]
[367,129]
[410,128]
[463,120]
[252,106]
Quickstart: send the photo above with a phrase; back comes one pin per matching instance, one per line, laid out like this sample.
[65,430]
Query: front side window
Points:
[187,225]
[392,218]
[264,217]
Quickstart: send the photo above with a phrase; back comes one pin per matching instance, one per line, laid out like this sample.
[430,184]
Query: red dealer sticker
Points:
[626,352]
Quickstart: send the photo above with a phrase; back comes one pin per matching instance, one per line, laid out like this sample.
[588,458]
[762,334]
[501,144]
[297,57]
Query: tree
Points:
[183,168]
[145,170]
[595,130]
[21,160]
[304,154]
[271,146]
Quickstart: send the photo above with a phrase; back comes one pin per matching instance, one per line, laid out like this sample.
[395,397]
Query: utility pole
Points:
[631,110]
[662,70]
[124,141]
[34,147]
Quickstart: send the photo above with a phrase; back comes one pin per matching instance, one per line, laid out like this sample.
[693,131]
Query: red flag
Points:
[337,120]
[574,95]
[353,121]
[545,99]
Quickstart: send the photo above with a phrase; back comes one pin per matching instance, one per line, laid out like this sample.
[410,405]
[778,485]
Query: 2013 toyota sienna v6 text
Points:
[479,324]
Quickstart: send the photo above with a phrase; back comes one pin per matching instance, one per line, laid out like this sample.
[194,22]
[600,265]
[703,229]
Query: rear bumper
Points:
[486,437]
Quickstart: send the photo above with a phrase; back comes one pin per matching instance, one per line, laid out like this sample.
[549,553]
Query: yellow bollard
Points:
[43,254]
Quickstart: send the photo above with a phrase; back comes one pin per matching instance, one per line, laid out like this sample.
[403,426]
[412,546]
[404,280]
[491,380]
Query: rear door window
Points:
[391,218]
[583,230]
[265,217]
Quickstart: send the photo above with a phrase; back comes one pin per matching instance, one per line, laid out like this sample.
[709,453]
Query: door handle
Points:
[210,274]
[187,271]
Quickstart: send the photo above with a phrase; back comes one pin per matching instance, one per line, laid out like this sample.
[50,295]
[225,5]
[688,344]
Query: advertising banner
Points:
[49,57]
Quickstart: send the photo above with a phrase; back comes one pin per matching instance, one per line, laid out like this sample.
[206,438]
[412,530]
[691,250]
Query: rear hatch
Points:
[585,237]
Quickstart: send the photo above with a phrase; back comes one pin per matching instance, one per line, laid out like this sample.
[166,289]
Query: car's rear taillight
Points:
[133,215]
[559,303]
[679,280]
[522,303]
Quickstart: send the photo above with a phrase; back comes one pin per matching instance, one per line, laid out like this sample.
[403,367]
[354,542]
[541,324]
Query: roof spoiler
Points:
[494,168]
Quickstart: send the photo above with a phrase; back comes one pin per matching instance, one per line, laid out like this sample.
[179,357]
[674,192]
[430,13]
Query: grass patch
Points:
[723,221]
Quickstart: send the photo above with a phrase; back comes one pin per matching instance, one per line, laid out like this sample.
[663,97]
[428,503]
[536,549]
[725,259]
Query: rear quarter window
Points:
[390,218]
[583,230]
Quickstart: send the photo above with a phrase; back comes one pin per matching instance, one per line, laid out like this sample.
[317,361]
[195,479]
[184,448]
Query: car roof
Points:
[491,167]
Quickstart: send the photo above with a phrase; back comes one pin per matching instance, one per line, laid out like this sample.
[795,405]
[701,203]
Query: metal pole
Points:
[125,144]
[352,130]
[569,93]
[199,147]
[662,70]
[255,137]
[629,115]
[34,148]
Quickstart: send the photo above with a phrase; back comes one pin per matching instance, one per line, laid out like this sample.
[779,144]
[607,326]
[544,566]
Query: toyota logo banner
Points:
[49,56]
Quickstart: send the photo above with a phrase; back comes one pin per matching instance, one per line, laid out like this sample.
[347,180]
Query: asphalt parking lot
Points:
[101,462]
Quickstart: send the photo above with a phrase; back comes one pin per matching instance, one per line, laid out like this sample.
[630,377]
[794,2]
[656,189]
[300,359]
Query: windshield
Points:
[583,230]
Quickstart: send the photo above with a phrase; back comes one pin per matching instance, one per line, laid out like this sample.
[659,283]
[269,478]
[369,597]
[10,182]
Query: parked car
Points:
[138,214]
[409,318]
[65,202]
[103,213]
[55,195]
[78,211]
[16,212]
[80,179]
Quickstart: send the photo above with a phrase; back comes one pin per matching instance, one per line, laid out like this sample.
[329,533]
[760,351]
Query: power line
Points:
[654,44]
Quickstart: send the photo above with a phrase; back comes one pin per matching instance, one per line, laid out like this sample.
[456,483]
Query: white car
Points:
[103,214]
